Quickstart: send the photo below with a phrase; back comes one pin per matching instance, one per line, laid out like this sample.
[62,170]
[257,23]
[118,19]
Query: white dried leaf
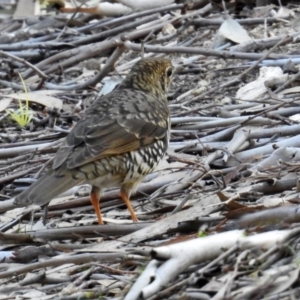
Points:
[106,282]
[6,255]
[226,100]
[284,12]
[233,31]
[39,225]
[257,88]
[113,9]
[35,294]
[272,201]
[109,85]
[39,97]
[64,224]
[145,4]
[289,154]
[295,118]
[168,29]
[4,103]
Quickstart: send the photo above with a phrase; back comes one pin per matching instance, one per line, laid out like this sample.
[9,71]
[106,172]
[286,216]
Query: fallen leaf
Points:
[284,12]
[39,97]
[257,88]
[4,103]
[109,85]
[233,31]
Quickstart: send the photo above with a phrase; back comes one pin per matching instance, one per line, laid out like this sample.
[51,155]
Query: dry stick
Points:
[84,52]
[213,263]
[129,18]
[44,166]
[185,25]
[268,42]
[190,280]
[144,13]
[105,45]
[207,52]
[282,87]
[71,233]
[13,86]
[219,153]
[228,285]
[25,62]
[21,238]
[167,292]
[78,54]
[108,24]
[193,50]
[110,63]
[63,260]
[239,77]
[68,21]
[33,134]
[218,22]
[29,161]
[268,110]
[16,159]
[18,174]
[118,271]
[82,277]
[115,31]
[36,278]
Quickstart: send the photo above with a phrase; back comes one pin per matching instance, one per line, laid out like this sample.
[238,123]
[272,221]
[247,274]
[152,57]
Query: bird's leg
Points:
[125,198]
[95,198]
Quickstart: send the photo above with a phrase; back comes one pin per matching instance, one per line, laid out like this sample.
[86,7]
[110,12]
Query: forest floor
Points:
[218,218]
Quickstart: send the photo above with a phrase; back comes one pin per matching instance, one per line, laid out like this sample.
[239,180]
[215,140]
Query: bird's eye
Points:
[169,72]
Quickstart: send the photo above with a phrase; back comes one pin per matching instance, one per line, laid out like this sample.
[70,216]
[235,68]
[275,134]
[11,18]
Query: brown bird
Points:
[120,139]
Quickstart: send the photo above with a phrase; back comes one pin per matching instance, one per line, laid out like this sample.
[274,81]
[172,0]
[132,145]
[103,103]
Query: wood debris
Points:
[219,217]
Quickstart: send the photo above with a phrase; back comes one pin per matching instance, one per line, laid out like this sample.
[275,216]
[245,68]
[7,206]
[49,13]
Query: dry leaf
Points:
[6,255]
[4,103]
[271,201]
[145,4]
[109,85]
[284,12]
[289,154]
[256,89]
[233,31]
[39,97]
[102,9]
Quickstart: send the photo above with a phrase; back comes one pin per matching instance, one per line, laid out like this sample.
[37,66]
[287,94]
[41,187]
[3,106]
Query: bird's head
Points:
[152,75]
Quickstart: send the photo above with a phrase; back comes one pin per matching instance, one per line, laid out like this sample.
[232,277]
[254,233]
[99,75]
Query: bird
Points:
[119,140]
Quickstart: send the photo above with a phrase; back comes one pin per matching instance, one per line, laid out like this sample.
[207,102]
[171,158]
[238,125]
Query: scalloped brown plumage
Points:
[120,139]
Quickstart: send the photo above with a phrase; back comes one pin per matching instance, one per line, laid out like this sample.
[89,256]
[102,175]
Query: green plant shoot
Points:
[22,116]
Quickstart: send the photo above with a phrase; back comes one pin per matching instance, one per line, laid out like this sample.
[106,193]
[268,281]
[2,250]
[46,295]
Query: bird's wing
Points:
[122,128]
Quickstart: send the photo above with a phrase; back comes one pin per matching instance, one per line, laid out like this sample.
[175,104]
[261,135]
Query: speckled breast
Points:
[114,171]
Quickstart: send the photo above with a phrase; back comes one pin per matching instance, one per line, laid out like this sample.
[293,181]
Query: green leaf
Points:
[22,116]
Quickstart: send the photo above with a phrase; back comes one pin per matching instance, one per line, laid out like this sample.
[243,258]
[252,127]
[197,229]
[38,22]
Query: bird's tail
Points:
[45,189]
